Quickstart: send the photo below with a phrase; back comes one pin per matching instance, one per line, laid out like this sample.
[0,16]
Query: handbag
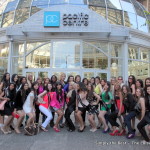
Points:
[2,104]
[118,106]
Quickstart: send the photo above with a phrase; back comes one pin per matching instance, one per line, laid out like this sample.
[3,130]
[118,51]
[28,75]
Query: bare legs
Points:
[91,119]
[31,119]
[80,119]
[102,118]
[60,115]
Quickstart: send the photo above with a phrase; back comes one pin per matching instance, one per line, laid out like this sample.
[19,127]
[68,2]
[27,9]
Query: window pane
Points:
[18,49]
[43,74]
[113,4]
[93,58]
[130,20]
[97,2]
[81,2]
[8,19]
[59,2]
[139,69]
[11,6]
[115,16]
[102,75]
[39,58]
[4,50]
[3,67]
[3,5]
[99,10]
[127,6]
[116,50]
[22,12]
[17,65]
[133,52]
[88,75]
[142,24]
[116,67]
[66,54]
[145,54]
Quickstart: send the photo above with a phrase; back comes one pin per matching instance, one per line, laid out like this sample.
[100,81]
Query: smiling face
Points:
[12,86]
[36,86]
[16,78]
[124,90]
[7,76]
[138,93]
[49,87]
[147,82]
[26,86]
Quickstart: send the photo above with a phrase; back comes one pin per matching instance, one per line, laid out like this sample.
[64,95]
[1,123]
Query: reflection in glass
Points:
[11,6]
[133,52]
[4,50]
[102,75]
[115,4]
[145,54]
[8,19]
[141,70]
[99,10]
[142,24]
[130,20]
[97,3]
[17,65]
[116,67]
[39,58]
[22,12]
[43,74]
[93,58]
[66,54]
[127,6]
[88,75]
[116,50]
[115,16]
[3,67]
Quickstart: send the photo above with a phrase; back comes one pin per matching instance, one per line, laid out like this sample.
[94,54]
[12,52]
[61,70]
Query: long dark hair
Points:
[13,77]
[90,92]
[24,93]
[141,82]
[141,91]
[133,80]
[6,82]
[12,93]
[146,80]
[77,76]
[147,96]
[128,90]
[69,78]
[52,79]
[108,90]
[22,79]
[59,93]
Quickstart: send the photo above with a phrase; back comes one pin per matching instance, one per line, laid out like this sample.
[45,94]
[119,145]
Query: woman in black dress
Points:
[9,94]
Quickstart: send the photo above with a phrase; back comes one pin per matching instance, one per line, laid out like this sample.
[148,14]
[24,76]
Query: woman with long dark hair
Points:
[53,82]
[146,120]
[9,94]
[15,79]
[45,99]
[5,81]
[23,80]
[106,98]
[132,84]
[139,84]
[77,79]
[139,111]
[57,103]
[93,99]
[20,99]
[28,106]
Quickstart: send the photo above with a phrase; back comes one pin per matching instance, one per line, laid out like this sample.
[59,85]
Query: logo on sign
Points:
[52,19]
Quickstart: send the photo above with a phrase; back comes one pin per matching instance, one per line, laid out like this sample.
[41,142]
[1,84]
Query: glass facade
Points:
[128,13]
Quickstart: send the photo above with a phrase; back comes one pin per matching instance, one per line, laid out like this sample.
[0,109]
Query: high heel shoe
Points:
[114,133]
[123,132]
[106,131]
[4,132]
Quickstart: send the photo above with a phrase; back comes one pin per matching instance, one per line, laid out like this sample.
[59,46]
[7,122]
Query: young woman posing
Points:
[81,107]
[139,111]
[8,94]
[146,120]
[15,80]
[112,118]
[132,84]
[44,105]
[93,100]
[57,103]
[71,104]
[106,98]
[20,99]
[28,106]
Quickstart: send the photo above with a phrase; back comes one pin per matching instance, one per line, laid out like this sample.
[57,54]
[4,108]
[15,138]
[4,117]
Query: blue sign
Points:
[51,19]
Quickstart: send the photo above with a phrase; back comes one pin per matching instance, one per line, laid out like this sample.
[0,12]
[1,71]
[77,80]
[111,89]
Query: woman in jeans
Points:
[146,120]
[71,105]
[139,111]
[44,100]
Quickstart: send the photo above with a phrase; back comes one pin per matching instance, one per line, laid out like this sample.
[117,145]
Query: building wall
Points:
[146,3]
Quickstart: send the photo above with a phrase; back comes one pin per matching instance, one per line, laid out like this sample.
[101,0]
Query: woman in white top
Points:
[28,106]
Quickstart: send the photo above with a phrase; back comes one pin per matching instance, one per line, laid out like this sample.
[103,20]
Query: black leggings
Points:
[68,119]
[141,128]
[112,118]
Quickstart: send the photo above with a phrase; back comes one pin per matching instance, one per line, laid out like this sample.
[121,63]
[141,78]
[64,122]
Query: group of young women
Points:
[119,108]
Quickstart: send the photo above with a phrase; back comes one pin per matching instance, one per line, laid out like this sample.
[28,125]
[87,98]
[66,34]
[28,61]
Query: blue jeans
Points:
[127,120]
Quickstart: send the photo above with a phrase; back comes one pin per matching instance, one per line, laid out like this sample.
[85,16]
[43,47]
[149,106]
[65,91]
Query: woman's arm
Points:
[97,97]
[143,109]
[133,89]
[3,98]
[121,100]
[40,96]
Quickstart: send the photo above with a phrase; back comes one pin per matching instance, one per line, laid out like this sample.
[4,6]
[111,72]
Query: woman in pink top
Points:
[44,100]
[57,103]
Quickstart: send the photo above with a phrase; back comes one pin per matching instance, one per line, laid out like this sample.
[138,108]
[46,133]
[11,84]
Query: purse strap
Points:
[79,99]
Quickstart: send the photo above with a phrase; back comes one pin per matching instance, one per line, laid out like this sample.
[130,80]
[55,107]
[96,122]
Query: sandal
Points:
[56,129]
[43,129]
